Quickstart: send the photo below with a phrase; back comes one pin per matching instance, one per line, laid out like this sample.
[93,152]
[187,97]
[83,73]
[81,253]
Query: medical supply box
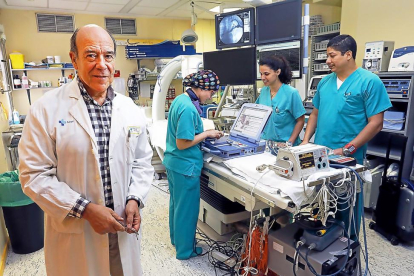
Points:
[244,138]
[394,120]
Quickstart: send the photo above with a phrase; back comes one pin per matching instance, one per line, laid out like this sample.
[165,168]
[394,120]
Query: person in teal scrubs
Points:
[349,107]
[288,116]
[184,159]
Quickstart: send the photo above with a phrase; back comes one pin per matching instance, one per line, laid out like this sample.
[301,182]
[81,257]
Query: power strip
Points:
[231,262]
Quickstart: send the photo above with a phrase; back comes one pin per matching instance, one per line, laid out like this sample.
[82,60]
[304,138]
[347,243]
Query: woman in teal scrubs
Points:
[288,116]
[184,159]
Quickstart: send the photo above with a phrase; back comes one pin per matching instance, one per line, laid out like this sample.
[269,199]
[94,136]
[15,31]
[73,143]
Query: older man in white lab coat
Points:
[85,160]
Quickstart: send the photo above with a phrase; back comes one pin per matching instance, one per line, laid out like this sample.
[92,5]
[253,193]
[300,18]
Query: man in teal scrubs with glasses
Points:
[348,109]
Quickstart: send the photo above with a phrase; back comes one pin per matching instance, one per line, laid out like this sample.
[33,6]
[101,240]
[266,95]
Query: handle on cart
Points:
[210,150]
[401,142]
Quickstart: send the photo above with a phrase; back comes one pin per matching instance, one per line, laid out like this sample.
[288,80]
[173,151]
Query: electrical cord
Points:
[362,212]
[231,249]
[312,269]
[247,268]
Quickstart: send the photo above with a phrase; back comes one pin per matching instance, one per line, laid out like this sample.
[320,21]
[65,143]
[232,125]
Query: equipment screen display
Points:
[250,121]
[235,29]
[315,83]
[280,21]
[233,67]
[292,51]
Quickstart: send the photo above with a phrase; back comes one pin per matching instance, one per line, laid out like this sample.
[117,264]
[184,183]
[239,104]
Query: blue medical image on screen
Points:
[231,29]
[235,28]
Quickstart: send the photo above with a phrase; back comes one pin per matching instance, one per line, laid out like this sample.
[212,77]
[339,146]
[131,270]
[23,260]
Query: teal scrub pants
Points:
[184,208]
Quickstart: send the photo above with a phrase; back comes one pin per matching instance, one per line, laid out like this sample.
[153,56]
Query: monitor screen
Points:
[292,51]
[315,82]
[233,67]
[279,21]
[235,29]
[250,121]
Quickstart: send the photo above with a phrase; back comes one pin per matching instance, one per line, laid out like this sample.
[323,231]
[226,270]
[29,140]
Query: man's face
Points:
[95,61]
[336,61]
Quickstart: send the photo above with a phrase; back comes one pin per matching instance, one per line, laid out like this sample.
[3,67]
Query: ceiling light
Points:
[189,36]
[216,9]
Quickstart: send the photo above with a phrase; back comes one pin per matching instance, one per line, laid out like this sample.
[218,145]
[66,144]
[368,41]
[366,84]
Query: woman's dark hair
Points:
[343,44]
[278,62]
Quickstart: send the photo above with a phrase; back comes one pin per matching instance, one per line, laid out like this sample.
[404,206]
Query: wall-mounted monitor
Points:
[234,66]
[280,21]
[291,50]
[235,29]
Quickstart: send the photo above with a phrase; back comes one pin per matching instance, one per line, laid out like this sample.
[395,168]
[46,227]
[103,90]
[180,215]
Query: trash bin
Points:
[23,218]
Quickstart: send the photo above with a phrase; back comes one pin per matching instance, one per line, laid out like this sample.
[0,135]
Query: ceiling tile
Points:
[146,11]
[67,5]
[115,2]
[99,7]
[25,3]
[179,14]
[157,3]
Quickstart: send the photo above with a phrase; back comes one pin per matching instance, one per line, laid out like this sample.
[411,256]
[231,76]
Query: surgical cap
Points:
[204,79]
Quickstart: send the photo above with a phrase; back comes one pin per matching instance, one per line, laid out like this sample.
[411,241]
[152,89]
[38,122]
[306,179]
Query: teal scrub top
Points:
[287,107]
[184,122]
[344,112]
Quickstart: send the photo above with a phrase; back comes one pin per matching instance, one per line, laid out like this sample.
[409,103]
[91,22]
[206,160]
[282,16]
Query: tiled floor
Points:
[158,255]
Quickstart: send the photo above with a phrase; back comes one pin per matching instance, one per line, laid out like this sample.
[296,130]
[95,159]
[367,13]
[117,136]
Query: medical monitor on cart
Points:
[250,122]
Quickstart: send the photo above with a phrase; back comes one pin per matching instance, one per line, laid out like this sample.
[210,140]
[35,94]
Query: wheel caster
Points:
[372,225]
[394,240]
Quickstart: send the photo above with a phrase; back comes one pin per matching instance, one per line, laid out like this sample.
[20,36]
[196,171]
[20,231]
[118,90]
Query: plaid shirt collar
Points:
[110,95]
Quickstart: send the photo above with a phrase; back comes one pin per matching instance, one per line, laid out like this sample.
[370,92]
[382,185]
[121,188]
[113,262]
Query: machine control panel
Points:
[397,88]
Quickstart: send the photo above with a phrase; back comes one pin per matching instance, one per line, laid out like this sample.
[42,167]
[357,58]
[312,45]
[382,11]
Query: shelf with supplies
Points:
[319,44]
[21,77]
[398,120]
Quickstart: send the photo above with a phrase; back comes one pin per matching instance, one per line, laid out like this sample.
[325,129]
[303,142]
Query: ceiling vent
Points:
[120,26]
[55,23]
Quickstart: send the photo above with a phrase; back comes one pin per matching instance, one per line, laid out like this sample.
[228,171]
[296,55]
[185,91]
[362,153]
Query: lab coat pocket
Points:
[69,225]
[132,136]
[351,104]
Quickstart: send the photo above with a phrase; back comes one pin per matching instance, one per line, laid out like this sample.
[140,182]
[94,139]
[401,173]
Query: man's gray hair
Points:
[74,48]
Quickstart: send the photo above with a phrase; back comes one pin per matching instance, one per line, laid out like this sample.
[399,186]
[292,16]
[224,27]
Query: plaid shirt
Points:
[100,116]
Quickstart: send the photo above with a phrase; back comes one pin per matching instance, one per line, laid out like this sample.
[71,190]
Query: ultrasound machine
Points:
[245,134]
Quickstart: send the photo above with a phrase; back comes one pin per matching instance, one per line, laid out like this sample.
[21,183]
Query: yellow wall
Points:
[367,21]
[22,35]
[330,14]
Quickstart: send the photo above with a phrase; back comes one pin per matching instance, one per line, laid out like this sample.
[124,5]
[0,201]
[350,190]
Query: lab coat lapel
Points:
[116,123]
[80,113]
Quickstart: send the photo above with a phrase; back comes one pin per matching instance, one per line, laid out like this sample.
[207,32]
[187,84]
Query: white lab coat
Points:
[59,162]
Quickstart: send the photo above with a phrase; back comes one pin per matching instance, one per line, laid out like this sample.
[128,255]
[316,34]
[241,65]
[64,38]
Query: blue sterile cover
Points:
[394,120]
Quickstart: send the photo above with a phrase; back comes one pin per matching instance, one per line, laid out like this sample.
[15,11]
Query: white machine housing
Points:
[307,159]
[377,55]
[402,59]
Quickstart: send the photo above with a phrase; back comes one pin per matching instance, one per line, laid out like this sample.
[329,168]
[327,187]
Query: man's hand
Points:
[338,151]
[133,217]
[102,219]
[304,142]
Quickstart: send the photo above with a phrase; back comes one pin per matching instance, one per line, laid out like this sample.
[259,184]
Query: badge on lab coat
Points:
[134,130]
